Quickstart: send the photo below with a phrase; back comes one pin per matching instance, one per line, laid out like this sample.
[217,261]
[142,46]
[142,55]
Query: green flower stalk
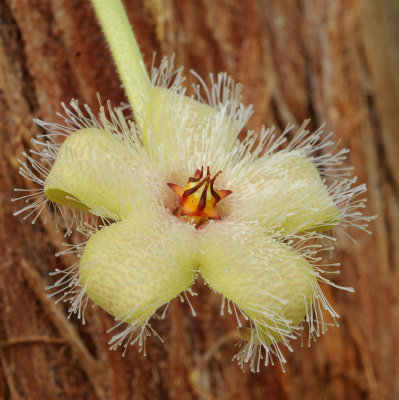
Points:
[175,194]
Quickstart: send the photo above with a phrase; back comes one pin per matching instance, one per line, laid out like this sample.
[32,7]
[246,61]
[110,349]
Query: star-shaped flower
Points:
[249,230]
[178,195]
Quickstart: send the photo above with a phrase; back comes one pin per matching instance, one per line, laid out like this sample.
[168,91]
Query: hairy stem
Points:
[126,53]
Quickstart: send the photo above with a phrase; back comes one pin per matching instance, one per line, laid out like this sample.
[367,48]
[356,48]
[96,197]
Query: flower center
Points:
[199,198]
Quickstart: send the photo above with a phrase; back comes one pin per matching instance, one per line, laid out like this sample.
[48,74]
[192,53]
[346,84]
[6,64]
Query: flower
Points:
[182,196]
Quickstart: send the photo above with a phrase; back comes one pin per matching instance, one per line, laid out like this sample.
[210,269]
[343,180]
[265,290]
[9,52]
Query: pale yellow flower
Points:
[258,246]
[176,194]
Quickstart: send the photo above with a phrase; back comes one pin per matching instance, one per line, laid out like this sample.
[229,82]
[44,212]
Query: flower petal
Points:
[133,267]
[284,192]
[93,171]
[269,282]
[197,129]
[177,125]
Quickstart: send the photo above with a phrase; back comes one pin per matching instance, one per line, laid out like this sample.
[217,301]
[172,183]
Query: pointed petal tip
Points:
[176,188]
[224,193]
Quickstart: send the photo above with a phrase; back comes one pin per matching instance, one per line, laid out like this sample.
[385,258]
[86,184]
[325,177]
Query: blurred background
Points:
[334,61]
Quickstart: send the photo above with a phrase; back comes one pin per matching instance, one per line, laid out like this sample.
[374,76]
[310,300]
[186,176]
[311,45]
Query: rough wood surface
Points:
[334,61]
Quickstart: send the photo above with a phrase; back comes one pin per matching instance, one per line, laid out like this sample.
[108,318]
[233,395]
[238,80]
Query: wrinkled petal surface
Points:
[284,192]
[93,171]
[133,267]
[268,281]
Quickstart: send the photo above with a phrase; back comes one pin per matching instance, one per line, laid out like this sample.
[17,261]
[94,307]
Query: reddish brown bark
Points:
[333,61]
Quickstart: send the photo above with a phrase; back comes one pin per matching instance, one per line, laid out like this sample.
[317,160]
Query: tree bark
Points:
[333,61]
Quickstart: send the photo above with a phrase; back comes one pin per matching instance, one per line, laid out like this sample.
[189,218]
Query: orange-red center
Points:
[199,197]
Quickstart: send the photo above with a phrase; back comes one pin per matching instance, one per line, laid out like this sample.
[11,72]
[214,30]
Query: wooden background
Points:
[332,60]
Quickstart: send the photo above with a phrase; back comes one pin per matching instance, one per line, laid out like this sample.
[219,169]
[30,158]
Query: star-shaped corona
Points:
[199,197]
[255,232]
